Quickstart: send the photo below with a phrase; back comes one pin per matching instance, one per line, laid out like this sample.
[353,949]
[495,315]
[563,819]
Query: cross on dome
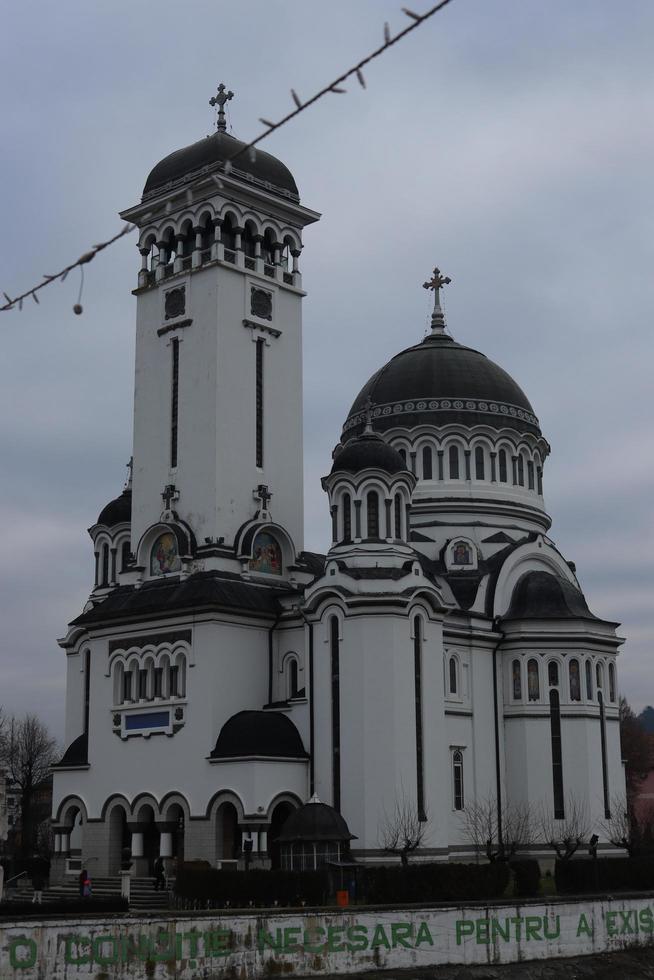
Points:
[368,416]
[219,100]
[437,281]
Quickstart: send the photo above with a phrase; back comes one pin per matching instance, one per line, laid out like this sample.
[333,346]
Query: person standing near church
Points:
[159,874]
[39,872]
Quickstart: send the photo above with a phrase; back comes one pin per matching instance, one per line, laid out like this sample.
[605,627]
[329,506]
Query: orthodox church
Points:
[440,654]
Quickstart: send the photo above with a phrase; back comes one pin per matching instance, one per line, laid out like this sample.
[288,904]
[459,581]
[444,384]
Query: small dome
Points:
[266,733]
[437,382]
[368,451]
[543,595]
[315,821]
[266,170]
[118,511]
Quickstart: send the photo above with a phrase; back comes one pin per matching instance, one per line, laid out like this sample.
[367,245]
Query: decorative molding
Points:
[151,639]
[262,328]
[179,325]
[261,303]
[175,302]
[497,409]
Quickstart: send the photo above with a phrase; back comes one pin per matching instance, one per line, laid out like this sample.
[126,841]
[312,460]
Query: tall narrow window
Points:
[417,672]
[575,680]
[557,755]
[457,779]
[398,516]
[453,675]
[292,678]
[127,685]
[427,469]
[259,402]
[104,580]
[553,673]
[174,402]
[87,688]
[158,679]
[540,481]
[479,463]
[334,643]
[454,462]
[173,681]
[589,680]
[124,556]
[521,470]
[611,682]
[347,517]
[533,681]
[599,678]
[517,680]
[605,771]
[530,474]
[143,684]
[372,507]
[501,457]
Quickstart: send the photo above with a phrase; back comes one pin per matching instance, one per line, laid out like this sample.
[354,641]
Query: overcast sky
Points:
[509,142]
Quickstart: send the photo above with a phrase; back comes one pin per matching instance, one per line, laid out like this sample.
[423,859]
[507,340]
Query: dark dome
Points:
[267,733]
[266,170]
[368,451]
[315,821]
[118,511]
[439,381]
[543,595]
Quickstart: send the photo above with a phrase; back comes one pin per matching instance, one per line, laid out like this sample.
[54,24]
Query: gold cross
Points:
[220,99]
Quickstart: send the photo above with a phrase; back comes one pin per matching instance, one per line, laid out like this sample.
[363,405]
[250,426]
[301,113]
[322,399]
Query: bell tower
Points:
[218,388]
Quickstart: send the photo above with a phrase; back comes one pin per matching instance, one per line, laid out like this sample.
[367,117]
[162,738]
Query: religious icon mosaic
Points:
[266,554]
[164,556]
[461,554]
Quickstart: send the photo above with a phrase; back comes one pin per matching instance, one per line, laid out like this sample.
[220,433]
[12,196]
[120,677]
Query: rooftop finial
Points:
[130,468]
[368,431]
[220,99]
[436,283]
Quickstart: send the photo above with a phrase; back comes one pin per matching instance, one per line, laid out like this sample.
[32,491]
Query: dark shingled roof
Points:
[267,733]
[315,821]
[170,595]
[369,451]
[117,511]
[77,753]
[411,388]
[266,170]
[543,595]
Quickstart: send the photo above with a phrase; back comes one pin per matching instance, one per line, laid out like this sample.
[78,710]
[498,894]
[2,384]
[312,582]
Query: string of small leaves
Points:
[334,87]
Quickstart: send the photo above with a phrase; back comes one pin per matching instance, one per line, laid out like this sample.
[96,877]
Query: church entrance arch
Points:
[228,834]
[280,815]
[175,820]
[148,828]
[119,838]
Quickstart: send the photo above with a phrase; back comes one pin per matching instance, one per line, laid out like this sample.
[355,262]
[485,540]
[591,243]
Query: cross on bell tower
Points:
[436,283]
[263,495]
[219,100]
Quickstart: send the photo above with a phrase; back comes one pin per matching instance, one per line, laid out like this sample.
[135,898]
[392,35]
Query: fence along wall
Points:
[316,944]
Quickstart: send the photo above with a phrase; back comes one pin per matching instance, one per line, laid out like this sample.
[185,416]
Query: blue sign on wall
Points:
[151,719]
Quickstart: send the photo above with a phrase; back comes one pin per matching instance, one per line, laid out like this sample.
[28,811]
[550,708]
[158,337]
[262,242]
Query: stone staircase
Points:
[143,897]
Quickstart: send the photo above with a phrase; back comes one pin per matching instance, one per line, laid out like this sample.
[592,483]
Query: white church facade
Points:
[219,676]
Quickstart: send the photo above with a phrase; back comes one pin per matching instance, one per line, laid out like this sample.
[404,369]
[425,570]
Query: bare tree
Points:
[627,827]
[404,830]
[499,832]
[27,752]
[566,835]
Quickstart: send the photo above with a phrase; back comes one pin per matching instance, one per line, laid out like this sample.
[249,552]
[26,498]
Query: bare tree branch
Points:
[566,835]
[403,831]
[499,839]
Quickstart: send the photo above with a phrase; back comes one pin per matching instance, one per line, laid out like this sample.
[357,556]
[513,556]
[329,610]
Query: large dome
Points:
[437,382]
[265,170]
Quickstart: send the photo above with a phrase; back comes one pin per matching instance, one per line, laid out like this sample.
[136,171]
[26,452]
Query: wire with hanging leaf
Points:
[334,87]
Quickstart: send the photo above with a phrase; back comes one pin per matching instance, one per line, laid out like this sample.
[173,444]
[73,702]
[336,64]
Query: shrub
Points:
[256,887]
[435,883]
[75,906]
[604,874]
[527,877]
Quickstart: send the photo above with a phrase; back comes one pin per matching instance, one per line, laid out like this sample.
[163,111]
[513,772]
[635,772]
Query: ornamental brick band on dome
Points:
[438,382]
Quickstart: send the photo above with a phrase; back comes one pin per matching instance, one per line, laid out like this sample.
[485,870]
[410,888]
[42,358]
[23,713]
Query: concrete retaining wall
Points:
[349,941]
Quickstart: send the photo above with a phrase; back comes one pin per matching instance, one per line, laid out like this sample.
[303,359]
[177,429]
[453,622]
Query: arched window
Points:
[104,576]
[227,235]
[501,457]
[454,679]
[372,508]
[530,474]
[266,554]
[292,678]
[516,672]
[457,779]
[521,470]
[248,239]
[402,453]
[479,463]
[454,462]
[611,682]
[398,515]
[540,481]
[124,556]
[268,248]
[207,233]
[347,517]
[553,673]
[599,676]
[427,470]
[533,681]
[589,680]
[575,680]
